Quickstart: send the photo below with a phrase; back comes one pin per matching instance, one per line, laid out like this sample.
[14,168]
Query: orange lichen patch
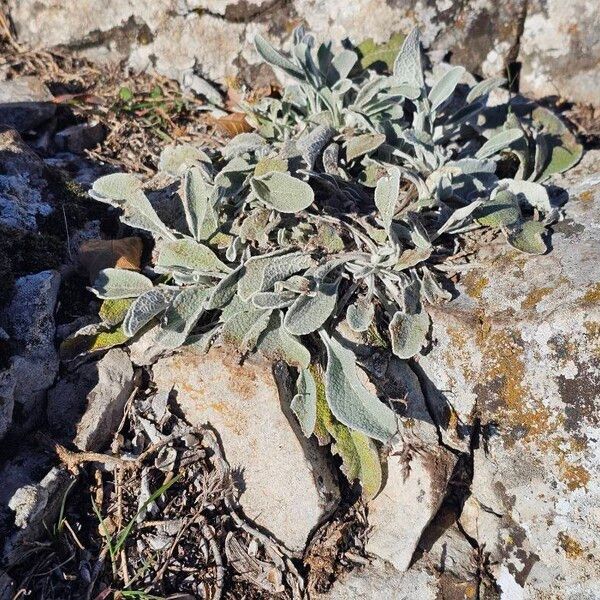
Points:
[458,354]
[592,329]
[586,196]
[505,371]
[571,546]
[592,296]
[474,284]
[573,476]
[535,296]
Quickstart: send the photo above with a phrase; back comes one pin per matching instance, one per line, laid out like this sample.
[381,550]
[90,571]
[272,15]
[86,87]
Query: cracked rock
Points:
[25,103]
[29,321]
[285,481]
[519,349]
[88,403]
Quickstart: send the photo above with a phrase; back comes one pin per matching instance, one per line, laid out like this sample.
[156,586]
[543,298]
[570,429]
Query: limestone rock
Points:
[285,481]
[411,496]
[22,184]
[33,505]
[380,581]
[25,103]
[560,50]
[29,320]
[214,38]
[105,402]
[518,349]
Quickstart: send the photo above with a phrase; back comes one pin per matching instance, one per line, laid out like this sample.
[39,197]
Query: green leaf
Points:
[304,403]
[181,316]
[386,195]
[408,68]
[363,144]
[380,56]
[484,87]
[499,142]
[112,312]
[528,238]
[283,192]
[500,211]
[350,402]
[277,344]
[445,86]
[144,308]
[360,458]
[408,333]
[243,143]
[269,165]
[459,217]
[91,339]
[225,290]
[189,254]
[310,311]
[120,283]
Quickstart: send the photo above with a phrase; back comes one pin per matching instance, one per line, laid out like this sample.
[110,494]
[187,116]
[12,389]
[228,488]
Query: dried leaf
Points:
[233,124]
[95,255]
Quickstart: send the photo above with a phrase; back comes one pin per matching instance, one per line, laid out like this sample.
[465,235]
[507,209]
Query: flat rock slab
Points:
[285,481]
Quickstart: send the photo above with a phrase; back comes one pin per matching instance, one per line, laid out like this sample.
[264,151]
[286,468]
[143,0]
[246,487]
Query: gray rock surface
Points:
[176,37]
[33,506]
[285,481]
[380,581]
[7,587]
[25,103]
[518,350]
[23,195]
[28,319]
[105,402]
[80,137]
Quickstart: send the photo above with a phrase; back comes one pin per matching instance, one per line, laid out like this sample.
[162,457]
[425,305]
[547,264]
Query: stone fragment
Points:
[7,400]
[104,403]
[285,481]
[33,506]
[412,494]
[7,586]
[80,137]
[145,350]
[380,581]
[29,320]
[25,103]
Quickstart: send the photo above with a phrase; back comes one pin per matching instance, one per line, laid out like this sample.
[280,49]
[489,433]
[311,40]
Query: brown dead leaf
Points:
[95,255]
[233,124]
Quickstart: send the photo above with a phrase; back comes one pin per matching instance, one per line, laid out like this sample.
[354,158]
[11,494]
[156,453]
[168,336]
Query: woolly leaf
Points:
[274,58]
[181,316]
[283,192]
[386,195]
[500,211]
[120,283]
[350,402]
[195,198]
[309,312]
[528,238]
[528,193]
[112,312]
[484,87]
[225,290]
[380,55]
[408,68]
[445,86]
[360,314]
[144,308]
[188,254]
[272,300]
[269,165]
[499,142]
[459,217]
[363,144]
[177,159]
[277,344]
[408,333]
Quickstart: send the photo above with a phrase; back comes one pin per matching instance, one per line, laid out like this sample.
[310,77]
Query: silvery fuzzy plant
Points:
[340,207]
